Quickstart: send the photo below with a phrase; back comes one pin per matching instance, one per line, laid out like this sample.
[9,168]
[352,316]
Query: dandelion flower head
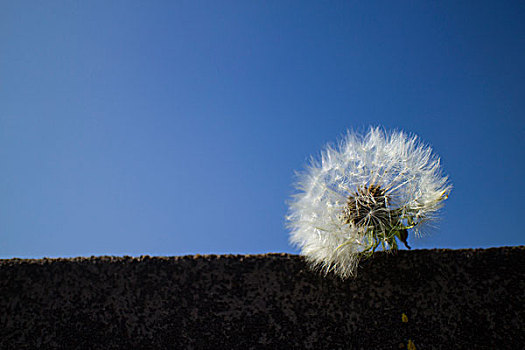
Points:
[363,194]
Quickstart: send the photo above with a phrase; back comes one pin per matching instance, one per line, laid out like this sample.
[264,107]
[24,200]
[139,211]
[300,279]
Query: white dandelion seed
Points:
[364,194]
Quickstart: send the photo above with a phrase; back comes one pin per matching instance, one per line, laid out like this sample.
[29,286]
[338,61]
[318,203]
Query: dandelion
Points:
[365,194]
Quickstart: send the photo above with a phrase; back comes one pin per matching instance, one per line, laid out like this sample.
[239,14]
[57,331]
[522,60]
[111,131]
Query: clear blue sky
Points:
[174,127]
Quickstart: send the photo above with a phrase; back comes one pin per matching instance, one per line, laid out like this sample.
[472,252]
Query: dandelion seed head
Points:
[361,195]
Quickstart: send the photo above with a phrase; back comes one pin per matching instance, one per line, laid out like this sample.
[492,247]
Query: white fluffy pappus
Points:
[363,194]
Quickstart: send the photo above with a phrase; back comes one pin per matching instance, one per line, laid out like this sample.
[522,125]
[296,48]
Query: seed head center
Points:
[367,206]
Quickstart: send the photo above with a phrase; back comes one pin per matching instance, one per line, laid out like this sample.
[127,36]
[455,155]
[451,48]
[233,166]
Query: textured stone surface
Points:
[453,299]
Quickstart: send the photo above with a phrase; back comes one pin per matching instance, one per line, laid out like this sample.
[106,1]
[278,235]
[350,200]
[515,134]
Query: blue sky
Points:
[174,127]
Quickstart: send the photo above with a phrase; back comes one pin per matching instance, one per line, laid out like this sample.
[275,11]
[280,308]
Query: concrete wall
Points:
[452,299]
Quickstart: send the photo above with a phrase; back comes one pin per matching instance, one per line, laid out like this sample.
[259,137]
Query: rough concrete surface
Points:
[421,299]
